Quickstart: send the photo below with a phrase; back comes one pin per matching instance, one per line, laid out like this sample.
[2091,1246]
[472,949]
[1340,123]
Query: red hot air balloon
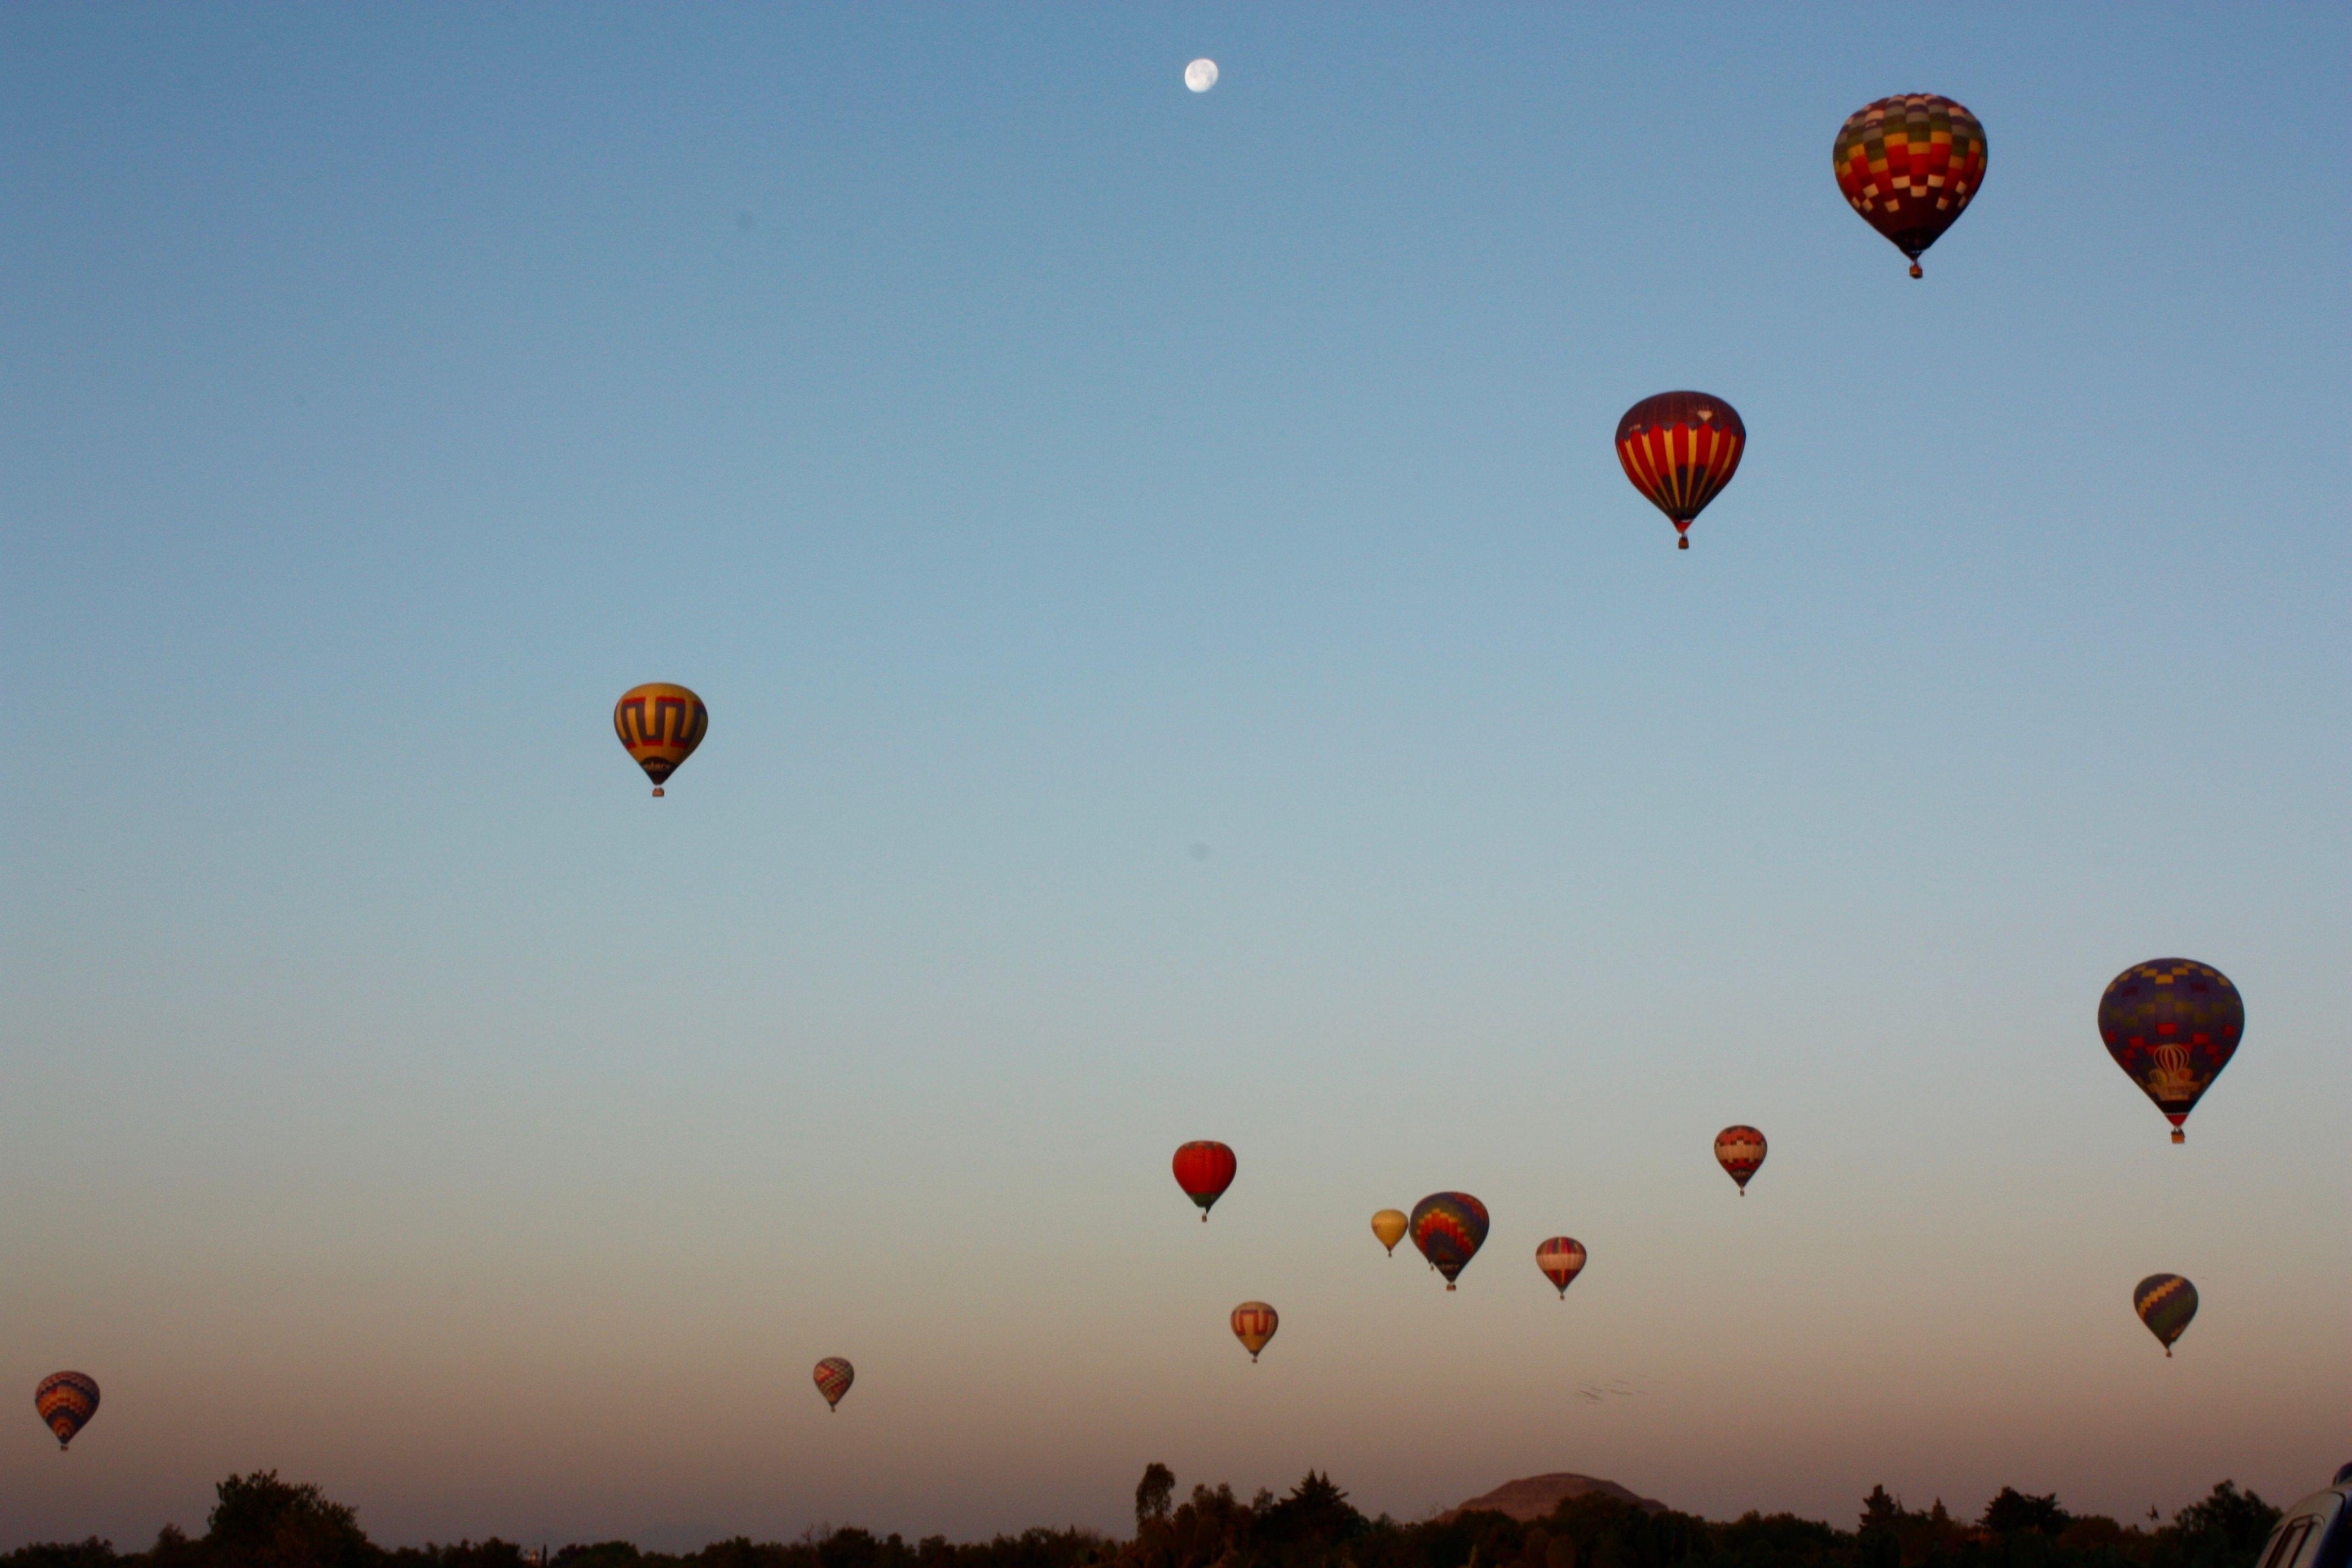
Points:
[1205,1169]
[1254,1325]
[66,1400]
[834,1375]
[1449,1228]
[1910,165]
[1680,448]
[1739,1150]
[1562,1259]
[2172,1023]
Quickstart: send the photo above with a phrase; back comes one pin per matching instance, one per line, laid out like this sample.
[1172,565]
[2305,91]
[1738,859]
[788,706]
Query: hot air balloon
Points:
[1205,1169]
[67,1400]
[1449,1228]
[2165,1302]
[1739,1150]
[1390,1226]
[1680,448]
[660,724]
[1253,1324]
[2173,1024]
[1910,164]
[834,1375]
[1562,1259]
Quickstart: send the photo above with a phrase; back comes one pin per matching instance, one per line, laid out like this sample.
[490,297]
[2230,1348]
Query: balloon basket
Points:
[1915,271]
[657,792]
[1681,545]
[1449,1287]
[2179,1136]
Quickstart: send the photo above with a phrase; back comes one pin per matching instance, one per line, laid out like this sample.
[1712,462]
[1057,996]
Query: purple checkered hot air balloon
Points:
[1449,1228]
[2172,1023]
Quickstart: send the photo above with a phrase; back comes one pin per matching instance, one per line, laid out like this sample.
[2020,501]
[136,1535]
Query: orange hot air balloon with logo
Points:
[65,1401]
[1390,1226]
[1205,1169]
[660,724]
[1254,1325]
[1910,165]
[1680,448]
[834,1375]
[1739,1150]
[1562,1259]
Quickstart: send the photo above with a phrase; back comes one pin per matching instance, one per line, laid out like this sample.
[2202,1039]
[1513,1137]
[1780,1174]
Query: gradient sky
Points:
[1184,662]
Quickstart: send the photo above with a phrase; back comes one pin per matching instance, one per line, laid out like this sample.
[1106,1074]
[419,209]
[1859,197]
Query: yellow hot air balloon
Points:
[1390,1226]
[1253,1324]
[660,724]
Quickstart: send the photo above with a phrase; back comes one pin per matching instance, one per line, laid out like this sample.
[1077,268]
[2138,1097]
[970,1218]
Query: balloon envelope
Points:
[2165,1302]
[2172,1023]
[1562,1259]
[66,1400]
[1680,448]
[1910,165]
[1253,1324]
[1390,1226]
[1739,1150]
[660,724]
[1205,1169]
[1449,1228]
[834,1375]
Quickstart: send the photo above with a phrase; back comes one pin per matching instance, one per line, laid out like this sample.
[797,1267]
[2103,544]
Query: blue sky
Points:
[1184,662]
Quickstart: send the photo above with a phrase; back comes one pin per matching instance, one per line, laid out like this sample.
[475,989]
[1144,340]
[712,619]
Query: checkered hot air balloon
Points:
[1739,1150]
[660,724]
[1680,448]
[1562,1259]
[1254,1325]
[2172,1023]
[834,1375]
[66,1400]
[1205,1169]
[2165,1302]
[1449,1228]
[1910,165]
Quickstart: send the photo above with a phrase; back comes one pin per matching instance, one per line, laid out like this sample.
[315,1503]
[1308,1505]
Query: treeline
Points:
[260,1522]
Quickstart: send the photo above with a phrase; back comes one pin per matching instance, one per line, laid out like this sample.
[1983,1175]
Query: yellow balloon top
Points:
[1390,1226]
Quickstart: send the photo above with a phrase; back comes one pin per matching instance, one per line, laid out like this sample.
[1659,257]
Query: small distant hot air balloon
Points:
[1680,448]
[1739,1150]
[1910,165]
[660,724]
[1562,1259]
[834,1375]
[1390,1226]
[2165,1302]
[1205,1169]
[1253,1324]
[1449,1228]
[66,1400]
[2172,1023]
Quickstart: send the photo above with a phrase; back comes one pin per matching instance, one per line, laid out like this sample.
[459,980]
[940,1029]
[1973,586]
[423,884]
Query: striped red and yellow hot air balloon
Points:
[1253,1324]
[2165,1302]
[1680,448]
[1910,164]
[1739,1150]
[660,724]
[2172,1023]
[66,1400]
[834,1375]
[1205,1169]
[1449,1228]
[1562,1259]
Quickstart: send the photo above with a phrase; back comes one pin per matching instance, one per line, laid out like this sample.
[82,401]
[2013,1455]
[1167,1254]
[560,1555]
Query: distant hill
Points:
[1536,1495]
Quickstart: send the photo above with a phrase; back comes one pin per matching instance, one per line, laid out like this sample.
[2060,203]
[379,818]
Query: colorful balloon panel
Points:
[834,1375]
[1910,165]
[1205,1169]
[1390,1226]
[1739,1150]
[2165,1302]
[1449,1228]
[1680,448]
[2172,1024]
[1562,1259]
[1254,1325]
[66,1400]
[660,724]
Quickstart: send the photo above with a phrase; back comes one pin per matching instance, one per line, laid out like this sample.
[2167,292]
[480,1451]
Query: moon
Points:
[1201,75]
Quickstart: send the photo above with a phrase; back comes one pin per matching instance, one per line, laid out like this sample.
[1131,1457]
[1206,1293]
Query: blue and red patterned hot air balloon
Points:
[1680,448]
[834,1375]
[2172,1023]
[66,1400]
[1449,1228]
[1205,1169]
[1910,164]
